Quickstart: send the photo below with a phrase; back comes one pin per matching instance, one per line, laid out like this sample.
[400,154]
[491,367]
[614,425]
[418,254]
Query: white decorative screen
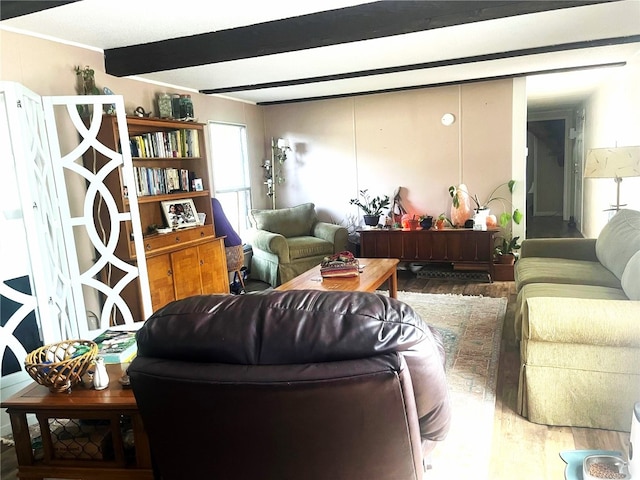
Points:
[32,269]
[100,276]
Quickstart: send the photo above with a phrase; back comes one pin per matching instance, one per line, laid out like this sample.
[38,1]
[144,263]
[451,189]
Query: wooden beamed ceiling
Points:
[361,22]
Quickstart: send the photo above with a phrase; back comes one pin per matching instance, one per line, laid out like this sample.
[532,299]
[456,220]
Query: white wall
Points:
[47,68]
[384,141]
[612,119]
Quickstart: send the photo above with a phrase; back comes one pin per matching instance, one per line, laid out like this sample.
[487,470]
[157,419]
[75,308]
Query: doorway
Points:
[550,175]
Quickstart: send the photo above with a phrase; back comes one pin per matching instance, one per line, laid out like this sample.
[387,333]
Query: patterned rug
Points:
[472,330]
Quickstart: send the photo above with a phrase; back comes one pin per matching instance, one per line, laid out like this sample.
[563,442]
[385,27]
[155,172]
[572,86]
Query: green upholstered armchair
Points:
[288,241]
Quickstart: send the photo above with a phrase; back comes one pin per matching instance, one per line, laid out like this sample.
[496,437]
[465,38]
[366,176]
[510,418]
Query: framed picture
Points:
[197,185]
[180,213]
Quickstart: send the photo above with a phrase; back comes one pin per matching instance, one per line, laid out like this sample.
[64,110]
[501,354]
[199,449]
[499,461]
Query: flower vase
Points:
[480,219]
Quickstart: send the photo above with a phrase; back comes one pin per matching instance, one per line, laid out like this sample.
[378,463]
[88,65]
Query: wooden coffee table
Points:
[375,271]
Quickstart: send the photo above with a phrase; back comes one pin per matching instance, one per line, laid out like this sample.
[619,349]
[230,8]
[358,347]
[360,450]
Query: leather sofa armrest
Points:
[272,243]
[569,248]
[330,232]
[586,321]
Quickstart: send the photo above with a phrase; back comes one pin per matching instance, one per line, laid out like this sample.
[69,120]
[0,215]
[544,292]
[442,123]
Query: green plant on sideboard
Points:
[505,217]
[371,206]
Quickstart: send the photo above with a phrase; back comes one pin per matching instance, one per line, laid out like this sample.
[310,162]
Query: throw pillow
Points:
[619,240]
[630,278]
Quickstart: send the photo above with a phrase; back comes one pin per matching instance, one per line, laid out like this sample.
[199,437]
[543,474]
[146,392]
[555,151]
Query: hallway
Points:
[550,227]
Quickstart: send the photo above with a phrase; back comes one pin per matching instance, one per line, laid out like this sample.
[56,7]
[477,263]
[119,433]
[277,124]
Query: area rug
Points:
[472,329]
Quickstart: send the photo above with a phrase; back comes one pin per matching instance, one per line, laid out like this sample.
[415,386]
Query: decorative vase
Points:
[426,223]
[412,224]
[480,219]
[100,375]
[164,105]
[463,211]
[371,220]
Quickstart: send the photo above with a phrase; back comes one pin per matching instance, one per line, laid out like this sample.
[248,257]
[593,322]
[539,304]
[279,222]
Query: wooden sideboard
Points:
[464,248]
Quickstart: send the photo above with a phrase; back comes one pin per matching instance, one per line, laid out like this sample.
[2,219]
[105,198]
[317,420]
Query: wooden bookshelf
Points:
[194,250]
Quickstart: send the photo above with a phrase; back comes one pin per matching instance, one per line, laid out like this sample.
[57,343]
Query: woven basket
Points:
[235,258]
[56,367]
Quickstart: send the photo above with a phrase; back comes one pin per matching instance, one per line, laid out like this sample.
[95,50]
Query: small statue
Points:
[397,209]
[100,375]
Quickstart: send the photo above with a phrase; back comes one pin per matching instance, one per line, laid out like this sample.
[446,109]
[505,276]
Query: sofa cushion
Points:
[558,270]
[631,278]
[557,290]
[289,222]
[619,240]
[303,247]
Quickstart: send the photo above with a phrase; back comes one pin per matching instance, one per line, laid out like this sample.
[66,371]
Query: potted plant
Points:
[505,217]
[372,207]
[426,221]
[505,249]
[442,222]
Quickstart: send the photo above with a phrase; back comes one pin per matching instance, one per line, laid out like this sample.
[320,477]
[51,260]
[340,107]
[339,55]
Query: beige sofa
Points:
[578,322]
[289,241]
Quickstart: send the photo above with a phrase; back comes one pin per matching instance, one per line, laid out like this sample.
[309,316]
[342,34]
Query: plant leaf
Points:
[517,216]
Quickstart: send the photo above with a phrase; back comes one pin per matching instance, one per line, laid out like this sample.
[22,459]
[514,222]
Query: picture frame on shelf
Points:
[180,213]
[197,185]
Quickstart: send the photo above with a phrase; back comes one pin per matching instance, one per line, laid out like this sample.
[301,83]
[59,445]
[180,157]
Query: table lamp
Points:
[616,163]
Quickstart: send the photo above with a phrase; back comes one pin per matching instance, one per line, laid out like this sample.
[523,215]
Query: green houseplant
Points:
[505,217]
[371,206]
[506,248]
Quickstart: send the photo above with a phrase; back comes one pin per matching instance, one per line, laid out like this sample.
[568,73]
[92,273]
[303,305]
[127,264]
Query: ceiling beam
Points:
[436,64]
[351,24]
[18,8]
[445,84]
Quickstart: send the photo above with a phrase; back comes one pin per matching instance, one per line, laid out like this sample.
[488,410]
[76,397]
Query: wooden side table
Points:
[109,408]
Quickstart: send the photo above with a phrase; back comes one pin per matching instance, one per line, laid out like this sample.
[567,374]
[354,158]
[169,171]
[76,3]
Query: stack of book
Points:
[341,264]
[117,346]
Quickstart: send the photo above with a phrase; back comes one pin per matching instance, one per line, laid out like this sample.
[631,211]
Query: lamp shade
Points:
[618,162]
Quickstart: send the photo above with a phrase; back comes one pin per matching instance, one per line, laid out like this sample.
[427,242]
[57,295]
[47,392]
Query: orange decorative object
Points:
[440,224]
[492,221]
[463,211]
[410,222]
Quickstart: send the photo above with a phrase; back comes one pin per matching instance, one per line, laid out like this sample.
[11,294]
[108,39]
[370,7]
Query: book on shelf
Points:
[117,346]
[182,143]
[158,181]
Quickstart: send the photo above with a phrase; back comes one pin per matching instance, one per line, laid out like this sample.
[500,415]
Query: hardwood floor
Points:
[550,227]
[520,449]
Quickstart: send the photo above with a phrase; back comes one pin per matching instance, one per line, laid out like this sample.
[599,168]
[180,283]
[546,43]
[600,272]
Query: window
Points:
[230,167]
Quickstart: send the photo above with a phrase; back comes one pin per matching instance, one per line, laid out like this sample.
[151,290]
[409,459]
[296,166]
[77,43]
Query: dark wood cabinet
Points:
[465,249]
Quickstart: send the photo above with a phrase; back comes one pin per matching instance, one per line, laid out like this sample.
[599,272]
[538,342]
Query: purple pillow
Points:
[223,226]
